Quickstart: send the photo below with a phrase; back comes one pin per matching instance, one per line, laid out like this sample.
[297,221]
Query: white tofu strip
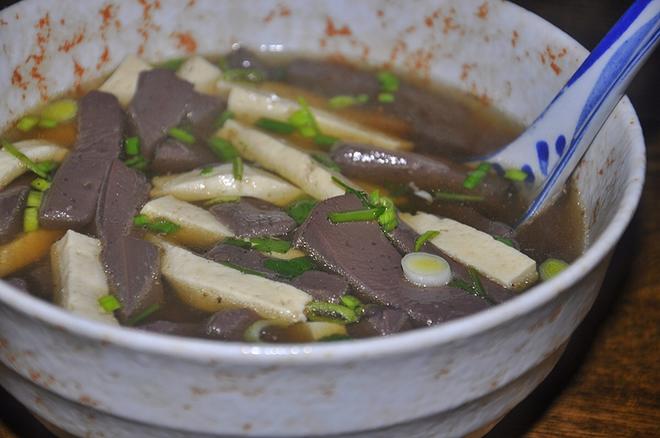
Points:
[220,181]
[287,161]
[201,73]
[210,286]
[250,105]
[123,81]
[199,228]
[79,276]
[495,260]
[36,150]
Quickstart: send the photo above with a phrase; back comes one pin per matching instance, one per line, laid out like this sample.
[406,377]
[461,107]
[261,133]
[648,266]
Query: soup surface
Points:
[249,198]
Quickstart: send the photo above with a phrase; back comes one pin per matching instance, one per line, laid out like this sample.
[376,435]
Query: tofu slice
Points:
[201,73]
[123,81]
[287,161]
[497,261]
[220,181]
[210,286]
[250,105]
[36,150]
[199,228]
[79,276]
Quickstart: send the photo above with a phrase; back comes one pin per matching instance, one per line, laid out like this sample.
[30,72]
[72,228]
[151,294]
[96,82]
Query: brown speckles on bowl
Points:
[185,41]
[281,10]
[332,30]
[482,11]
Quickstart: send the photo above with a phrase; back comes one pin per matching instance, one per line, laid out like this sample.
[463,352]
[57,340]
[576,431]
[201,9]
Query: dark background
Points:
[605,385]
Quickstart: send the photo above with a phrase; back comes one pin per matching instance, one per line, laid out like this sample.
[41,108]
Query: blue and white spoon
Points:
[552,146]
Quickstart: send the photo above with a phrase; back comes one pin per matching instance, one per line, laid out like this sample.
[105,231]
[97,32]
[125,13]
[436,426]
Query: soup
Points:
[249,198]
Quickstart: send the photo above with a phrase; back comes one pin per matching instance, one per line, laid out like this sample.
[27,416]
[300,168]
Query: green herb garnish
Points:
[181,135]
[223,149]
[290,268]
[137,162]
[334,338]
[382,206]
[303,119]
[171,64]
[515,175]
[275,126]
[329,312]
[226,115]
[132,146]
[243,75]
[450,196]
[245,244]
[243,269]
[207,170]
[385,97]
[475,177]
[426,236]
[388,81]
[47,123]
[156,225]
[109,303]
[326,161]
[551,268]
[367,214]
[30,219]
[237,168]
[270,245]
[40,184]
[58,111]
[20,156]
[473,287]
[143,315]
[326,141]
[343,101]
[27,123]
[505,240]
[34,198]
[351,302]
[299,210]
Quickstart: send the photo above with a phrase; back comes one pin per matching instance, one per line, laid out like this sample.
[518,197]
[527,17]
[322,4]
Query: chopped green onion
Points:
[351,302]
[244,75]
[325,140]
[20,156]
[300,210]
[245,244]
[476,281]
[34,198]
[223,64]
[137,162]
[270,245]
[329,312]
[326,161]
[474,287]
[426,236]
[515,175]
[31,219]
[385,97]
[27,123]
[171,64]
[237,168]
[475,177]
[59,111]
[449,196]
[335,337]
[362,196]
[157,225]
[109,303]
[303,119]
[221,199]
[141,220]
[181,135]
[504,240]
[144,315]
[388,81]
[206,170]
[368,214]
[40,184]
[290,268]
[343,101]
[132,146]
[47,166]
[275,126]
[242,269]
[551,268]
[223,149]
[47,123]
[226,115]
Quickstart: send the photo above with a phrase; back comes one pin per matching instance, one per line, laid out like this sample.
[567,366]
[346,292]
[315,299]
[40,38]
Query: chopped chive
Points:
[132,146]
[551,268]
[243,269]
[157,225]
[141,220]
[34,198]
[385,97]
[40,184]
[59,111]
[325,140]
[326,161]
[300,210]
[226,115]
[426,236]
[275,126]
[144,315]
[270,245]
[343,101]
[181,135]
[303,119]
[362,196]
[475,177]
[206,170]
[368,214]
[388,81]
[449,196]
[290,268]
[237,168]
[27,123]
[335,337]
[137,162]
[477,286]
[47,166]
[221,199]
[171,64]
[30,219]
[109,303]
[244,75]
[20,156]
[515,175]
[461,284]
[351,302]
[223,149]
[47,123]
[329,312]
[245,244]
[505,240]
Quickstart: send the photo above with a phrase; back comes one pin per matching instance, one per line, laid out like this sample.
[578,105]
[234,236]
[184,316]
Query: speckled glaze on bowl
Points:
[450,380]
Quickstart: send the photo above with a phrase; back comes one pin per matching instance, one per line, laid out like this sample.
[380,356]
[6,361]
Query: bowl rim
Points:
[203,350]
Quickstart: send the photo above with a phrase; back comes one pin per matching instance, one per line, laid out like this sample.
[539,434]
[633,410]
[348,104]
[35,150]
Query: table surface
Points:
[606,384]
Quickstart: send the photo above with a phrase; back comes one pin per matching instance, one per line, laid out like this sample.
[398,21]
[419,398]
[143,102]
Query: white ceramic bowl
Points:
[94,380]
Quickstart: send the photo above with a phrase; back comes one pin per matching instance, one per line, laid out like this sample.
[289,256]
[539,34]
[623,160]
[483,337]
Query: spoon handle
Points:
[551,147]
